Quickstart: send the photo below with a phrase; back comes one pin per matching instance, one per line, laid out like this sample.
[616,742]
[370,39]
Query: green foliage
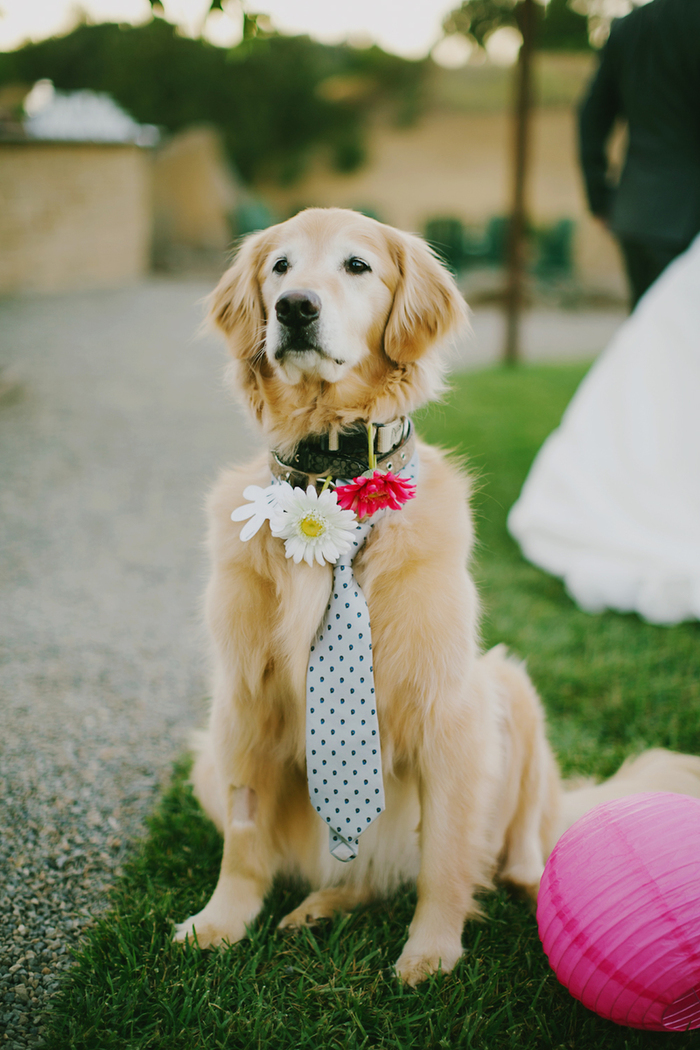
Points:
[275,98]
[557,28]
[612,684]
[560,28]
[479,18]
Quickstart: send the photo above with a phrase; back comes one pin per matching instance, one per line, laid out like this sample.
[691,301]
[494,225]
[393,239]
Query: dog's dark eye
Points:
[281,266]
[355,265]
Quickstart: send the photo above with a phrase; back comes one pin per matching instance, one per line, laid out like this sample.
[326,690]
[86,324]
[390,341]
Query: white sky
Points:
[406,27]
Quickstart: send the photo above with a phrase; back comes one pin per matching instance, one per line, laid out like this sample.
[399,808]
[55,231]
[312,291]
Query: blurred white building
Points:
[75,186]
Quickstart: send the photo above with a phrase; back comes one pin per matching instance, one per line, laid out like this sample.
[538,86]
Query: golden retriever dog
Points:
[335,320]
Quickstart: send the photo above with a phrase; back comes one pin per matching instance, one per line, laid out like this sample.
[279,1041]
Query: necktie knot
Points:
[362,530]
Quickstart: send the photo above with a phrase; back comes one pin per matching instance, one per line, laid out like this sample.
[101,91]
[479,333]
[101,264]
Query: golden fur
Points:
[472,789]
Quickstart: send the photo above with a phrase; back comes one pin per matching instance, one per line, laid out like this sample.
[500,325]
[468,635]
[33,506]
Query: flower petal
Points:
[279,523]
[251,527]
[330,552]
[294,550]
[246,510]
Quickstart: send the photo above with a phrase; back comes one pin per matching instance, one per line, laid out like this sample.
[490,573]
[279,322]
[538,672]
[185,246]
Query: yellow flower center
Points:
[312,525]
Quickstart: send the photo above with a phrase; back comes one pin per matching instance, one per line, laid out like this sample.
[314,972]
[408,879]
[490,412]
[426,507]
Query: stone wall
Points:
[73,215]
[456,162]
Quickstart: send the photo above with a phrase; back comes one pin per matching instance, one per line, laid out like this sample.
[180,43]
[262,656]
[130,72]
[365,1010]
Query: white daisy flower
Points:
[259,511]
[313,527]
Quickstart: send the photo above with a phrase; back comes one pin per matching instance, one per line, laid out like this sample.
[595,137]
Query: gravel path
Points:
[117,427]
[108,446]
[547,334]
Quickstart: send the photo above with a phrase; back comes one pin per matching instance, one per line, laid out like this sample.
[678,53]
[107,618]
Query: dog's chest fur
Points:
[280,606]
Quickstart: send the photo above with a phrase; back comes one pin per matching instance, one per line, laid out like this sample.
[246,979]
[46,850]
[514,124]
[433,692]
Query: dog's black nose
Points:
[297,309]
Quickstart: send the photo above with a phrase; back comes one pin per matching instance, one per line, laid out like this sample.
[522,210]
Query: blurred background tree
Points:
[557,25]
[552,26]
[296,117]
[275,99]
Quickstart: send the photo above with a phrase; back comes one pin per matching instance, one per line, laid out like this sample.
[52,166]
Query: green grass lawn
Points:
[611,685]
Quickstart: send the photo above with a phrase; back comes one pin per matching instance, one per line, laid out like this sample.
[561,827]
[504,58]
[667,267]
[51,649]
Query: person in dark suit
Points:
[649,75]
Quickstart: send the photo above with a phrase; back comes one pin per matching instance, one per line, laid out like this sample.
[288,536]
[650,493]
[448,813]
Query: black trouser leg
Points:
[645,261]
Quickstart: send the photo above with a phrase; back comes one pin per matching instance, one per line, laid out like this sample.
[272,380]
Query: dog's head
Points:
[333,317]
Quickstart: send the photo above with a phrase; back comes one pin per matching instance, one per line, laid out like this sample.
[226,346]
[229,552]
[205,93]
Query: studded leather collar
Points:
[313,460]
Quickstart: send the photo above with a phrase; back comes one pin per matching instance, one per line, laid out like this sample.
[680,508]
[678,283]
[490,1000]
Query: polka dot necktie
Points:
[343,753]
[343,756]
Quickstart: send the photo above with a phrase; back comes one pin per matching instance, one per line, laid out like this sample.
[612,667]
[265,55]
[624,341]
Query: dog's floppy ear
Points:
[427,303]
[236,305]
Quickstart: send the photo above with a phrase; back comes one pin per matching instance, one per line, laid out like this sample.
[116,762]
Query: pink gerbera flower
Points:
[366,495]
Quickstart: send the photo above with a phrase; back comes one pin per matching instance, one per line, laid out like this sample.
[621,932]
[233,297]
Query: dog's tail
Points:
[654,770]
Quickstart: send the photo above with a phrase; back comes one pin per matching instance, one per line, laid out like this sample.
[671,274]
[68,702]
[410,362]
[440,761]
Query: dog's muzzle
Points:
[298,313]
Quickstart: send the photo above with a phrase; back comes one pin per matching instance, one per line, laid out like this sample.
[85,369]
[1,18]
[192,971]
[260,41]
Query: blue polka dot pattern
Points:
[343,753]
[341,746]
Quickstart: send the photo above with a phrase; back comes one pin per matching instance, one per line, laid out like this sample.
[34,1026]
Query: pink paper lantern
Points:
[619,911]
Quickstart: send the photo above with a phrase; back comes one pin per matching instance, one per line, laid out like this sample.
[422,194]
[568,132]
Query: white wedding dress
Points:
[612,501]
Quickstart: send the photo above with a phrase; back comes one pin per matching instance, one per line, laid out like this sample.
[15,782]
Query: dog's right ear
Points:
[236,305]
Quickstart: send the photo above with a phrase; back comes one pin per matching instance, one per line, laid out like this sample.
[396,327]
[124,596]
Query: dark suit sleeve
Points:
[596,117]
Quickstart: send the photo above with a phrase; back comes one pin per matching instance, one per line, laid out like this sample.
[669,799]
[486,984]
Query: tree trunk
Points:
[525,13]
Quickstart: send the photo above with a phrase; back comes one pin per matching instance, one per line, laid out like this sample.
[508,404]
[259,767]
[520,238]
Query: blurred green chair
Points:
[463,248]
[496,241]
[249,216]
[554,250]
[550,247]
[446,237]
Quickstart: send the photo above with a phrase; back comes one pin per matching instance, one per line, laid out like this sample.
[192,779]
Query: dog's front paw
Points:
[312,912]
[222,922]
[226,918]
[301,917]
[413,966]
[323,904]
[209,931]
